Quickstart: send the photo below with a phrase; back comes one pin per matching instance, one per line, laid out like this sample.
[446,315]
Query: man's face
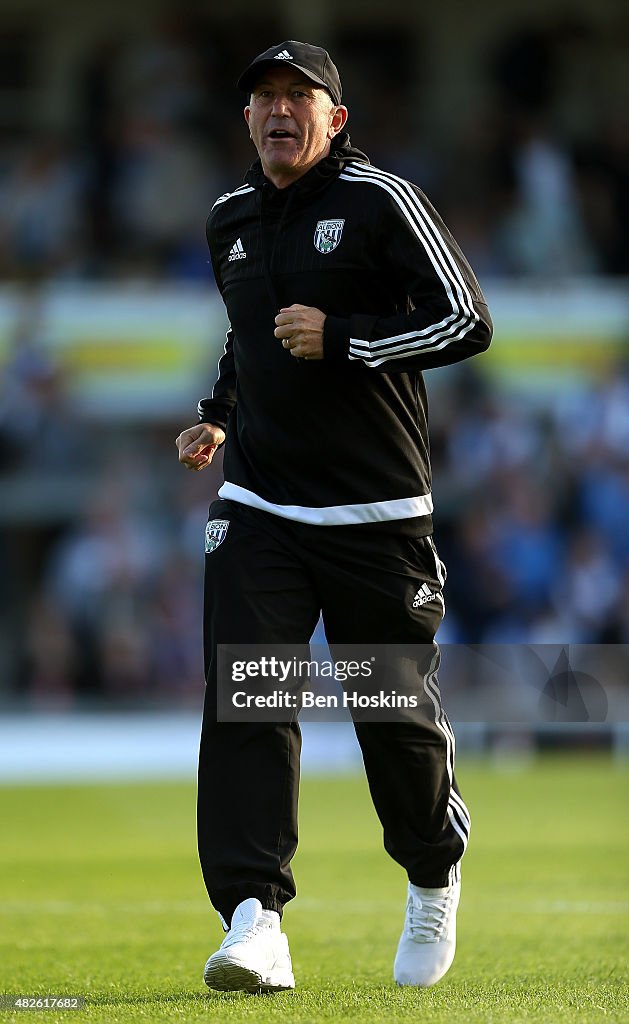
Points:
[292,122]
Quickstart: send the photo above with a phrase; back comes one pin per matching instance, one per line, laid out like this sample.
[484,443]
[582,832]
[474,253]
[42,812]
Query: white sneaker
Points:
[428,941]
[253,956]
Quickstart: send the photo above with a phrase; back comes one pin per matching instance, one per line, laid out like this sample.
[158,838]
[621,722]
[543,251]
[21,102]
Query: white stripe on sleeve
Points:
[463,316]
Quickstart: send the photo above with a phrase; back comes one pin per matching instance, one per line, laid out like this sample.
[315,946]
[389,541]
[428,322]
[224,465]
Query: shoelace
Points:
[239,935]
[242,933]
[427,917]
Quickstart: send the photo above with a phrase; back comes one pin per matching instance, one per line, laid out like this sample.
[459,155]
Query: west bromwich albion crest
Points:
[328,235]
[215,533]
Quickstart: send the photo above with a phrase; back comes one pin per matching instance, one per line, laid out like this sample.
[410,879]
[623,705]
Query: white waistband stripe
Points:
[333,515]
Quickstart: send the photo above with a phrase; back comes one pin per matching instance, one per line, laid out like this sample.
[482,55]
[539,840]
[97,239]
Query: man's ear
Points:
[247,113]
[338,122]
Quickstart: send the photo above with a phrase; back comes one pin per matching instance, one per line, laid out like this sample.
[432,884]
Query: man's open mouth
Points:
[280,133]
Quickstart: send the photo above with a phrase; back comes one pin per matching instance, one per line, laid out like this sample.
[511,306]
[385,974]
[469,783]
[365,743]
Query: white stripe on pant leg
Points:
[465,814]
[461,816]
[457,801]
[431,688]
[462,836]
[427,680]
[441,719]
[466,824]
[457,824]
[454,874]
[438,564]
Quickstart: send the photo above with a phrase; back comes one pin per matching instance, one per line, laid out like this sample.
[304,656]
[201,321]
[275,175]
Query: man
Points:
[341,284]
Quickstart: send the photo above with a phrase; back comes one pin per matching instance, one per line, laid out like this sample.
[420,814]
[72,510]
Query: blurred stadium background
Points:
[120,124]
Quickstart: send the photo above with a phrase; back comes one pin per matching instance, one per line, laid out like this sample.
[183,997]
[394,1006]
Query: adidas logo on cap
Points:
[284,55]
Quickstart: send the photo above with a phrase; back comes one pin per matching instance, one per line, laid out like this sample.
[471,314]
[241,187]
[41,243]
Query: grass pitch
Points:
[101,896]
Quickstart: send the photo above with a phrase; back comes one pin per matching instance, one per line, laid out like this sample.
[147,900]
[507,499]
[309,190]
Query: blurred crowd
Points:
[532,510]
[533,506]
[101,531]
[157,134]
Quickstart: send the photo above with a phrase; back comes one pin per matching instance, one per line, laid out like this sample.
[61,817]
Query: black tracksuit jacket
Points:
[344,439]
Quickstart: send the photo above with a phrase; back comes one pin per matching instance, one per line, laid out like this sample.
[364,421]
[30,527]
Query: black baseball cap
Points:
[313,61]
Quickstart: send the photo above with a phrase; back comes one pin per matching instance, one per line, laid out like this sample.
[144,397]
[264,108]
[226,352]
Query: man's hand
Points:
[301,331]
[197,445]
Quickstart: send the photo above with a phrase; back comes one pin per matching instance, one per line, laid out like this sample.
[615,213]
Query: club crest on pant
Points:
[215,533]
[328,235]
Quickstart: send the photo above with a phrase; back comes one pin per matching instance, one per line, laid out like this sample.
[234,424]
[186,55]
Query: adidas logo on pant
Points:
[423,595]
[237,252]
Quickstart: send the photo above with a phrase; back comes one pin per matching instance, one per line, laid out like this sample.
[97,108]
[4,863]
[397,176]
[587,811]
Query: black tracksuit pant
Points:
[266,583]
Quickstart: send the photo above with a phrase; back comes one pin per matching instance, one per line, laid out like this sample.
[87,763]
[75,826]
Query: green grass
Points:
[101,896]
